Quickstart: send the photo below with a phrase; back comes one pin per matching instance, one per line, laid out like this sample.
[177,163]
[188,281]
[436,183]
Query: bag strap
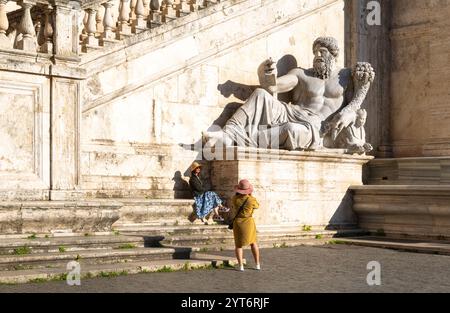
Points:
[240,209]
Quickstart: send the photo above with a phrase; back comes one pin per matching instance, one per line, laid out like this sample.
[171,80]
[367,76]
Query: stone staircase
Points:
[149,235]
[37,258]
[406,198]
[216,237]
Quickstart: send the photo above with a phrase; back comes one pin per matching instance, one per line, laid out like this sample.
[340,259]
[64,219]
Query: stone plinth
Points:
[419,211]
[410,171]
[24,217]
[293,188]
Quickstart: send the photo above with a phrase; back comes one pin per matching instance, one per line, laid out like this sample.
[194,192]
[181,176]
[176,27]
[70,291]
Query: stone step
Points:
[77,216]
[226,239]
[267,244]
[410,245]
[109,270]
[154,212]
[67,244]
[152,230]
[199,228]
[45,260]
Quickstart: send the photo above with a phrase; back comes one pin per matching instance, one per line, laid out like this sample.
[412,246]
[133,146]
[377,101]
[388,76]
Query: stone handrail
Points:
[70,28]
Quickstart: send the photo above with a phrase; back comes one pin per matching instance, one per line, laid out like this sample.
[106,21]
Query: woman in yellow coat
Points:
[244,228]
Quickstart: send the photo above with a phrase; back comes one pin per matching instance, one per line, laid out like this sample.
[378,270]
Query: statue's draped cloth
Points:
[263,121]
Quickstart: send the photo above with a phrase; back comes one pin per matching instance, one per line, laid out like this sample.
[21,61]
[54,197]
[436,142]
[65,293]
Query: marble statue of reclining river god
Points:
[325,103]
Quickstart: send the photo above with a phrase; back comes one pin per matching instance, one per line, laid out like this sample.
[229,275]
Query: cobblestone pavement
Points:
[332,268]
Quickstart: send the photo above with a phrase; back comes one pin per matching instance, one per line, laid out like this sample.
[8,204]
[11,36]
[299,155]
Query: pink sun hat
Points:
[244,187]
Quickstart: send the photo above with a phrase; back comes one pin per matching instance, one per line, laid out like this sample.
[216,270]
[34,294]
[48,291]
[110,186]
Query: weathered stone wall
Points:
[370,43]
[140,103]
[24,136]
[420,78]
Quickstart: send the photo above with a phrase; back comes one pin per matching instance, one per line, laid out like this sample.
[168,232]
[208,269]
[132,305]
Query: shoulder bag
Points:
[230,225]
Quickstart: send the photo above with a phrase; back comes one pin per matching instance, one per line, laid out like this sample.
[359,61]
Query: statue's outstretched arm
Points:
[275,84]
[284,84]
[363,76]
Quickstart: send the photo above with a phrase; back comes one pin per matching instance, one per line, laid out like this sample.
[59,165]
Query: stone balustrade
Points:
[71,28]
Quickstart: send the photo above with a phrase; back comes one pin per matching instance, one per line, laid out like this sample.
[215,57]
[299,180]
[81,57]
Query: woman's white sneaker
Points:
[240,268]
[258,267]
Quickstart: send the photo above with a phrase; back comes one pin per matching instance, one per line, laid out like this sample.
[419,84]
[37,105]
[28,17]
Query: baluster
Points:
[13,35]
[132,9]
[167,11]
[84,31]
[47,46]
[176,5]
[4,25]
[139,24]
[28,41]
[91,42]
[207,3]
[99,19]
[192,5]
[108,24]
[123,29]
[39,30]
[146,8]
[155,15]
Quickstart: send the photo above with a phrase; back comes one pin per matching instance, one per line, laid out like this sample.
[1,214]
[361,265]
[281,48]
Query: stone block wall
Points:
[420,101]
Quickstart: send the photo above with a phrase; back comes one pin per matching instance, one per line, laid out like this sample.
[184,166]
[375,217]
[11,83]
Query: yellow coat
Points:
[244,228]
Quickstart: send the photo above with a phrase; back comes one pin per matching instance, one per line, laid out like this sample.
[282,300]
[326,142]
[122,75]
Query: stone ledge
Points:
[324,155]
[410,171]
[18,217]
[418,246]
[438,190]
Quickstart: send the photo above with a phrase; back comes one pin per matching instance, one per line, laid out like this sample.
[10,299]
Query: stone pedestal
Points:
[123,30]
[27,44]
[293,188]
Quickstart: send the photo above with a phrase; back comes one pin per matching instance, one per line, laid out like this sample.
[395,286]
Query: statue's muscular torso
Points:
[322,97]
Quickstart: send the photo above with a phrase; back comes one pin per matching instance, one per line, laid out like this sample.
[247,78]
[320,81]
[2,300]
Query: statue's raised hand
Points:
[270,67]
[270,76]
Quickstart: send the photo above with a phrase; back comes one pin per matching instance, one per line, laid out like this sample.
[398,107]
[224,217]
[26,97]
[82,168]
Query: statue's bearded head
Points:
[326,50]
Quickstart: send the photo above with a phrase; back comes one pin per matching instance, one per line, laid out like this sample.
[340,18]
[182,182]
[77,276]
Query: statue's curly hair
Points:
[328,42]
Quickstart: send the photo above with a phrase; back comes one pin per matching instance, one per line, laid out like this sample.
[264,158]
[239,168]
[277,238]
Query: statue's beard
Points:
[323,69]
